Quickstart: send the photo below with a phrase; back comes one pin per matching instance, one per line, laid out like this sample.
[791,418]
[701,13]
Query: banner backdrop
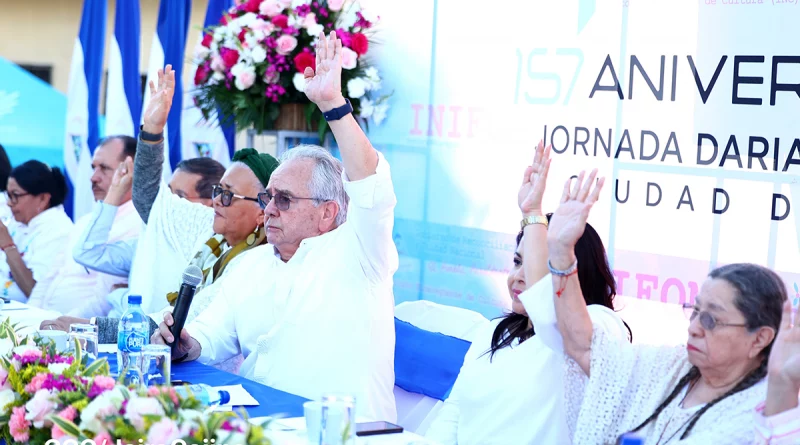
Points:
[687,107]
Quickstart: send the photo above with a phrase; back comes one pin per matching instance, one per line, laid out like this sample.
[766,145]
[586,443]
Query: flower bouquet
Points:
[48,398]
[252,63]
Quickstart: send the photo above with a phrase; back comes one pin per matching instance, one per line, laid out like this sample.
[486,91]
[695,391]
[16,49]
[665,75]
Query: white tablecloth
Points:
[28,318]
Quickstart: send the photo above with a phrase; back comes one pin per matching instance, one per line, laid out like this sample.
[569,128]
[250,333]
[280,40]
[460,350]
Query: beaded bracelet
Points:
[563,273]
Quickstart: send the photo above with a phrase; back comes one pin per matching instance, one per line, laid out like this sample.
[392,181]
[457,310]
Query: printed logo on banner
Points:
[77,144]
[8,102]
[203,149]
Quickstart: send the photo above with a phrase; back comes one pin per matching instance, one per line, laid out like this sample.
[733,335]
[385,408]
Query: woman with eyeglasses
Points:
[33,242]
[489,402]
[706,392]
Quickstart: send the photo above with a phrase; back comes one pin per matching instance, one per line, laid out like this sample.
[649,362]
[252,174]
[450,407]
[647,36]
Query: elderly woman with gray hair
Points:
[708,392]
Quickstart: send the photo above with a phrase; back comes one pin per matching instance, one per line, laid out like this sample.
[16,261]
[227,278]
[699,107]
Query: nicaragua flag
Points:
[124,87]
[169,46]
[83,98]
[203,137]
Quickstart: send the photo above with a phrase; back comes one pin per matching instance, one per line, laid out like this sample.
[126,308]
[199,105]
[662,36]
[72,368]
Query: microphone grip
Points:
[179,314]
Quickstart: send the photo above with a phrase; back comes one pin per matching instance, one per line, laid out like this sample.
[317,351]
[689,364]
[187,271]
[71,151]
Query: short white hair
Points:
[326,179]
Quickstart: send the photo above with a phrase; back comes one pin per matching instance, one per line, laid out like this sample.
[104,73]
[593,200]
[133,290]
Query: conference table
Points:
[288,429]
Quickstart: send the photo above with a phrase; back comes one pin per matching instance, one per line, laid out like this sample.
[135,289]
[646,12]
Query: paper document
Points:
[239,396]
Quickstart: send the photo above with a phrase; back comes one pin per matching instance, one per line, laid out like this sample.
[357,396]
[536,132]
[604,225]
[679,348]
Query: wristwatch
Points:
[150,137]
[338,113]
[538,219]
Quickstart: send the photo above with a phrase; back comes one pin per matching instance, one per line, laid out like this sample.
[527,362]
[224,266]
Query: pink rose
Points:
[349,58]
[18,426]
[309,20]
[270,8]
[39,407]
[138,407]
[164,431]
[103,438]
[335,5]
[285,3]
[285,44]
[105,382]
[245,78]
[68,413]
[217,64]
[36,383]
[263,26]
[230,57]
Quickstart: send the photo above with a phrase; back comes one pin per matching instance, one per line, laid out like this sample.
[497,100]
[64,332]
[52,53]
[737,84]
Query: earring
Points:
[251,238]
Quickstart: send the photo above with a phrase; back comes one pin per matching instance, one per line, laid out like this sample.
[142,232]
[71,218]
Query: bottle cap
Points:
[224,397]
[134,299]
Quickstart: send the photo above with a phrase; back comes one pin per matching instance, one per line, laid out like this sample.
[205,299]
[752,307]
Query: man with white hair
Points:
[312,311]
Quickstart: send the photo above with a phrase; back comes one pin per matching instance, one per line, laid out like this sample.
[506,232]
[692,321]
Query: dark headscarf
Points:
[261,164]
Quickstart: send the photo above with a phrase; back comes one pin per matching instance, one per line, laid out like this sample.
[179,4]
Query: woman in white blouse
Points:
[34,241]
[707,392]
[510,388]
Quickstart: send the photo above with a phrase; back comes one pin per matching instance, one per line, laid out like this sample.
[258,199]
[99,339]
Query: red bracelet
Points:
[8,246]
[563,282]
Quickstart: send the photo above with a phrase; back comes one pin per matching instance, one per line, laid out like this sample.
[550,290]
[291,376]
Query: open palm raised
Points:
[569,220]
[324,86]
[784,359]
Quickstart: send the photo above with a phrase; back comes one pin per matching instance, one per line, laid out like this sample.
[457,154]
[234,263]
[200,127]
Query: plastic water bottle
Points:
[205,394]
[132,335]
[630,439]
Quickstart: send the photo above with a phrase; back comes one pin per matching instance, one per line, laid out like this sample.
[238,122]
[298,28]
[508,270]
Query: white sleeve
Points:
[371,214]
[444,429]
[540,305]
[179,222]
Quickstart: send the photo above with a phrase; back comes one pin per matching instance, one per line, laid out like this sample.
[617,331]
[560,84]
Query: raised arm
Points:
[324,88]
[92,250]
[150,151]
[566,227]
[534,221]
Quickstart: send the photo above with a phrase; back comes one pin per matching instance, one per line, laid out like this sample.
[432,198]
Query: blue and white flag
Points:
[203,137]
[124,87]
[83,98]
[169,46]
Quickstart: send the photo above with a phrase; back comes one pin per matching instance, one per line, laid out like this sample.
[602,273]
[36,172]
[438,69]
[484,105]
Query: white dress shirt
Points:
[41,244]
[176,228]
[323,321]
[517,396]
[77,290]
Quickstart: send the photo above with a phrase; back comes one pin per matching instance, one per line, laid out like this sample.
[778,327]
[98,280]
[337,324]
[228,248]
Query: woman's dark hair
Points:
[760,294]
[596,281]
[5,169]
[36,178]
[210,172]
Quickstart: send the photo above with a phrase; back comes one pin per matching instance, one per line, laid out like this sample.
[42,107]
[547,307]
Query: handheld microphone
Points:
[192,276]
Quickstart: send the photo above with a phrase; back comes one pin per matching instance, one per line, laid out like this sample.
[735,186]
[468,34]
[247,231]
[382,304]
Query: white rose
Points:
[380,113]
[258,54]
[367,108]
[299,82]
[247,19]
[57,368]
[201,52]
[216,78]
[6,396]
[314,30]
[356,87]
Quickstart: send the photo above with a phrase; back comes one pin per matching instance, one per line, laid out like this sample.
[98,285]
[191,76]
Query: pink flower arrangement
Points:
[253,61]
[18,425]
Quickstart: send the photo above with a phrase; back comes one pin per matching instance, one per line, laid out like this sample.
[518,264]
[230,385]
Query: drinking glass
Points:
[338,420]
[86,335]
[155,364]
